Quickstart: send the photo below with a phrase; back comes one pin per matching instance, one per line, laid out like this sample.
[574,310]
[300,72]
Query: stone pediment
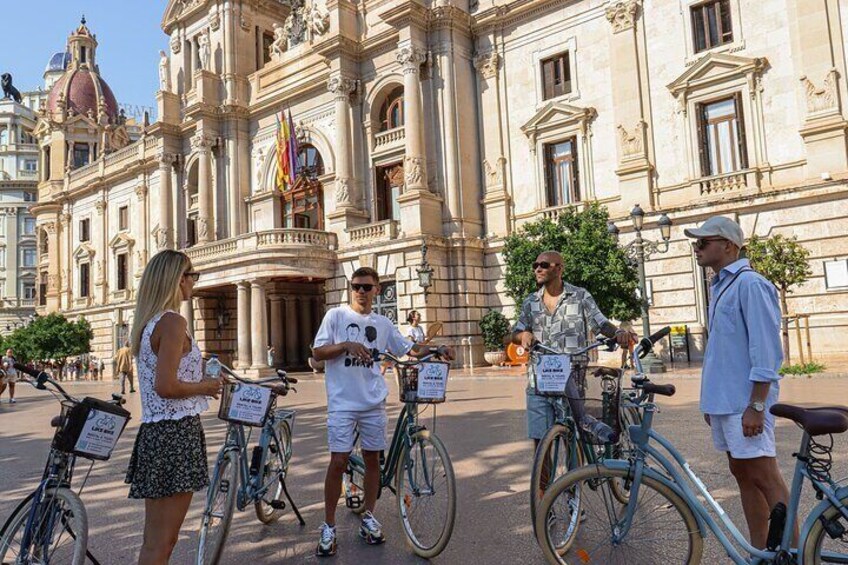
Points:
[556,115]
[121,240]
[716,68]
[84,251]
[178,9]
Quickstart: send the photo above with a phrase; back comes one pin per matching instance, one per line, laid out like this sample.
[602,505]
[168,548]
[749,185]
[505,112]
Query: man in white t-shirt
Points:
[347,341]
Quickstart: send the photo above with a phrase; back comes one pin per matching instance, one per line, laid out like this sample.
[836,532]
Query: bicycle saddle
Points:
[606,372]
[815,421]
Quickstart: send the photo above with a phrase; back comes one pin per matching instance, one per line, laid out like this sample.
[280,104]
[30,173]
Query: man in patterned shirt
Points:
[558,315]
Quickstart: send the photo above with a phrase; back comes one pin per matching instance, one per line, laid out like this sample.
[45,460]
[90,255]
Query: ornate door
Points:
[386,301]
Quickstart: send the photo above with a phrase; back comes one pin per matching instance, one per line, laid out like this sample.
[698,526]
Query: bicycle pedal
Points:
[353,502]
[277,504]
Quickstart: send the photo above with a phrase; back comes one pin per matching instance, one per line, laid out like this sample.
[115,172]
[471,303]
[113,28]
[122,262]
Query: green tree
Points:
[784,262]
[592,259]
[494,326]
[51,337]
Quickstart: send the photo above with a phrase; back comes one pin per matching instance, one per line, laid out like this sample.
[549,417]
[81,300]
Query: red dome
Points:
[82,93]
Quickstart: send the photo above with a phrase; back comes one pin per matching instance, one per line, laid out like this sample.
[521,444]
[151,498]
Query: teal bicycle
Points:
[240,479]
[417,468]
[666,519]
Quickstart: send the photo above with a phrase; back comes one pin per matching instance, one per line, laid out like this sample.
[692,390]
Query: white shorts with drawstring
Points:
[728,437]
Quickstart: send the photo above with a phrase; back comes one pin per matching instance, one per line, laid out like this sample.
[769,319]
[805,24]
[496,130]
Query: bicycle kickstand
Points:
[291,502]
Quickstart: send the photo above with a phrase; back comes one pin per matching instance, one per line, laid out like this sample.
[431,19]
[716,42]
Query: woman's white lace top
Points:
[154,408]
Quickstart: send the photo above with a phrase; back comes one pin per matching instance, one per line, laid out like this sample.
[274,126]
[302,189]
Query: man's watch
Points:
[757,406]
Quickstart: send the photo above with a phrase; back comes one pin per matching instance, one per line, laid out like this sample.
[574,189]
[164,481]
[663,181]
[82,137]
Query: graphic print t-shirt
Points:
[351,384]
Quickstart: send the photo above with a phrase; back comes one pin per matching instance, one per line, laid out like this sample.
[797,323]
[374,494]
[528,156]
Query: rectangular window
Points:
[28,257]
[561,175]
[556,76]
[389,188]
[721,132]
[85,279]
[123,218]
[123,271]
[29,226]
[84,234]
[711,24]
[29,291]
[31,165]
[29,196]
[81,155]
[267,40]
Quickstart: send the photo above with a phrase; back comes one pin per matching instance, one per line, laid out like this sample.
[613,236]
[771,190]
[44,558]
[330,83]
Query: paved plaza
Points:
[482,425]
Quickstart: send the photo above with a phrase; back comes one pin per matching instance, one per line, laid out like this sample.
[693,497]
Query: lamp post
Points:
[425,272]
[639,250]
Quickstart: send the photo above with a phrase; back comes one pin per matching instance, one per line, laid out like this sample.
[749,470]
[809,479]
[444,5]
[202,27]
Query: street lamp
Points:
[640,250]
[425,272]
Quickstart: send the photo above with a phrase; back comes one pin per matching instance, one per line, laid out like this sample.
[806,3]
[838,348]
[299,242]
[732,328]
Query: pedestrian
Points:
[560,316]
[627,351]
[101,368]
[124,367]
[740,378]
[10,375]
[349,338]
[94,369]
[416,332]
[271,353]
[168,461]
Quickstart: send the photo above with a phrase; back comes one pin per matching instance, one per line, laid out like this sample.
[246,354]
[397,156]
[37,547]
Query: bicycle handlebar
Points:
[42,379]
[282,377]
[609,342]
[434,352]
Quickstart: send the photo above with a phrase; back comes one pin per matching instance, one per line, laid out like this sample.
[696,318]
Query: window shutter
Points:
[550,177]
[703,143]
[740,132]
[566,73]
[548,79]
[575,172]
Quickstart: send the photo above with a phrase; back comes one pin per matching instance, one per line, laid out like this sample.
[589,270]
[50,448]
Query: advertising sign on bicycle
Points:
[100,433]
[249,404]
[432,381]
[552,373]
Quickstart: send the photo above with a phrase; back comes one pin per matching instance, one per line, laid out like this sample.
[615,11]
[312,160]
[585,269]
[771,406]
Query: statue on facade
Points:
[318,20]
[204,45]
[278,47]
[164,72]
[295,27]
[9,91]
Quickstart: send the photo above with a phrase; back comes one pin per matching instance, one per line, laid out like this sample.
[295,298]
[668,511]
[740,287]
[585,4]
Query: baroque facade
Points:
[447,123]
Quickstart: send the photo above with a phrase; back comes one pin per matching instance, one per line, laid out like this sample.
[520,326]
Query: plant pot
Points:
[316,366]
[494,358]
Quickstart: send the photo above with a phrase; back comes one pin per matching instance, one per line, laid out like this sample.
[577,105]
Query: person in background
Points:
[416,332]
[124,367]
[271,353]
[10,375]
[168,462]
[627,351]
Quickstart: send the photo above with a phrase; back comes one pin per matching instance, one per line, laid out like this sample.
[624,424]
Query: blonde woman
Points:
[168,463]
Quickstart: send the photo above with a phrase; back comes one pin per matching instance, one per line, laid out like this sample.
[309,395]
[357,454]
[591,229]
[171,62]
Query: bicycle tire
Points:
[590,479]
[211,547]
[812,544]
[414,538]
[279,456]
[559,435]
[353,478]
[78,530]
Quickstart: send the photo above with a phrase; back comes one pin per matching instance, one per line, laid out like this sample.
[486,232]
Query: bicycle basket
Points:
[91,428]
[596,399]
[245,404]
[424,383]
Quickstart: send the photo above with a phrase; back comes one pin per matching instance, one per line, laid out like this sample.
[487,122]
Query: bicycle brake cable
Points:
[85,479]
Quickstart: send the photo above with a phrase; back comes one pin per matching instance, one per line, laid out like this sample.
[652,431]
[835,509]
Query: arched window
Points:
[4,136]
[391,113]
[309,162]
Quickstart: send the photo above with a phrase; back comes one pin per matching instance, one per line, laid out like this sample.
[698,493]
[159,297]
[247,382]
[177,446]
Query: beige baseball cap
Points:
[719,226]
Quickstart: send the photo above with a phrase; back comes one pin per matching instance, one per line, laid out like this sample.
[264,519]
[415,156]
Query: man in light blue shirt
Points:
[740,379]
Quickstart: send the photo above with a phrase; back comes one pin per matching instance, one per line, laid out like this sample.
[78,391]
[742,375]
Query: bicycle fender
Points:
[653,474]
[814,515]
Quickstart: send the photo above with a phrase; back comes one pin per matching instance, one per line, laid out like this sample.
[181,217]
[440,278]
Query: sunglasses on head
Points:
[703,242]
[362,287]
[543,264]
[195,276]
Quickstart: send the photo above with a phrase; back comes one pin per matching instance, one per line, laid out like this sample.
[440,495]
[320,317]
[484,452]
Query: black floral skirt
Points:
[169,457]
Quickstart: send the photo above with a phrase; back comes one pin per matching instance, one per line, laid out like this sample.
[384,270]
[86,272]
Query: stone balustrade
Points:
[192,201]
[378,231]
[724,183]
[264,240]
[384,139]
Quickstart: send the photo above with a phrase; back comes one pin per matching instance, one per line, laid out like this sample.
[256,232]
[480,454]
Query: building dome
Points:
[58,62]
[82,90]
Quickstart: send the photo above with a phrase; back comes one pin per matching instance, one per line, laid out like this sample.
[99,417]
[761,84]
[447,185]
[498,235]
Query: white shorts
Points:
[728,436]
[6,378]
[370,423]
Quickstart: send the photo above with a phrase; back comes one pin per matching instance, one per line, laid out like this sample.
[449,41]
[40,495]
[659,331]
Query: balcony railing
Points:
[379,231]
[193,200]
[29,175]
[261,241]
[728,182]
[393,136]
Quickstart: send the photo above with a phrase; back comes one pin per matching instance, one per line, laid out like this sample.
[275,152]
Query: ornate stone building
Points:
[446,123]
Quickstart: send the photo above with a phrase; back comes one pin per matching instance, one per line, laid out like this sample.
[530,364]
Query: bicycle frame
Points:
[641,436]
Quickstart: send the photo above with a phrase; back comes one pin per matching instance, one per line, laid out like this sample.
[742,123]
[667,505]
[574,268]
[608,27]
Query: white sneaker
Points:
[370,530]
[12,401]
[327,544]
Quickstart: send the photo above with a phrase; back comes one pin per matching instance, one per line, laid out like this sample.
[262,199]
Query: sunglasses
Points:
[364,287]
[195,276]
[704,242]
[544,264]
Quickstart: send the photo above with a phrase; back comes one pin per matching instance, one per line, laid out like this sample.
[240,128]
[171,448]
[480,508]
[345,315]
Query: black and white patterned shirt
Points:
[565,329]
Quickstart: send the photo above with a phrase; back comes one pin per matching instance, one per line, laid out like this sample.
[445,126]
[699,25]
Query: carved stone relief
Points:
[824,98]
[622,15]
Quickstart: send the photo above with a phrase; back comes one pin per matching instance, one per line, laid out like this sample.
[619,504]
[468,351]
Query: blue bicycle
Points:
[666,520]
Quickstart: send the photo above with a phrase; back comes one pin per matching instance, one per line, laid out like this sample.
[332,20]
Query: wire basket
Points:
[245,404]
[596,399]
[90,428]
[424,383]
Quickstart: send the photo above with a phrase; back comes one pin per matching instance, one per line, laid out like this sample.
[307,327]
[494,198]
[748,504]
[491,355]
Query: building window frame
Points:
[29,226]
[710,137]
[553,47]
[557,164]
[84,279]
[736,44]
[556,76]
[701,14]
[122,274]
[124,217]
[391,110]
[28,290]
[31,253]
[85,230]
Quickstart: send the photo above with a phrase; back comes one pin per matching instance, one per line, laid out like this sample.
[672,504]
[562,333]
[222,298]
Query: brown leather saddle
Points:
[815,421]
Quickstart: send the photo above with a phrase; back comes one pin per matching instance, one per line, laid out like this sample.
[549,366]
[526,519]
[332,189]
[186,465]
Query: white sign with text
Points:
[552,373]
[249,404]
[100,433]
[432,380]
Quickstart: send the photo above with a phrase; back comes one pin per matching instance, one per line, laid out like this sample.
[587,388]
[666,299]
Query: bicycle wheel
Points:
[558,453]
[663,528]
[353,481]
[818,544]
[277,464]
[218,513]
[59,533]
[426,493]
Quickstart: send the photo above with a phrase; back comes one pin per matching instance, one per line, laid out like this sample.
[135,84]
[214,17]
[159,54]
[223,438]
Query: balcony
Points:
[283,253]
[391,139]
[193,200]
[728,182]
[27,175]
[369,233]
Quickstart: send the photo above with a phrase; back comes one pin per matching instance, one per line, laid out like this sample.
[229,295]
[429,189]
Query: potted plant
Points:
[494,326]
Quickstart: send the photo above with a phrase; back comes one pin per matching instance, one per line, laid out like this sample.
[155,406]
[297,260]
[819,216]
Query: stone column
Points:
[631,104]
[205,213]
[259,324]
[243,313]
[234,197]
[101,264]
[277,329]
[63,280]
[165,232]
[411,57]
[342,87]
[11,219]
[53,266]
[141,234]
[306,334]
[187,312]
[292,353]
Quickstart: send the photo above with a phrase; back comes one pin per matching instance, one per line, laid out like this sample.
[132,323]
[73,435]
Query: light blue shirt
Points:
[743,344]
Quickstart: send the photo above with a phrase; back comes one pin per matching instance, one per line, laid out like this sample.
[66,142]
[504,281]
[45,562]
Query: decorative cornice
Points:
[488,64]
[622,15]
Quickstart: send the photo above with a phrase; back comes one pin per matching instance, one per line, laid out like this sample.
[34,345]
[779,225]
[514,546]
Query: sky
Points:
[128,35]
